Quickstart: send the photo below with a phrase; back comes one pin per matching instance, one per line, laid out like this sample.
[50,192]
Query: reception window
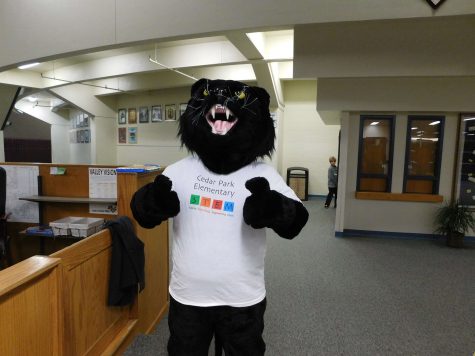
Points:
[375,153]
[423,154]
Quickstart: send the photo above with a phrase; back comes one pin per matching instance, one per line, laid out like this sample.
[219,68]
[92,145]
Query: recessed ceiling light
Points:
[29,65]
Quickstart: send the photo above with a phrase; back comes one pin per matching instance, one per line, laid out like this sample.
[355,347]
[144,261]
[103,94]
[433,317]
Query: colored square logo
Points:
[195,199]
[217,204]
[228,206]
[206,202]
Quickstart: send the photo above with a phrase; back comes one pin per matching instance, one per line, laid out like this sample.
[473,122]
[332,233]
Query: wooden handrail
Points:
[25,271]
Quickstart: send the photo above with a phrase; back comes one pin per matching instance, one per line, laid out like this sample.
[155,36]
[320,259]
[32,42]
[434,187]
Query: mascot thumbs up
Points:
[221,198]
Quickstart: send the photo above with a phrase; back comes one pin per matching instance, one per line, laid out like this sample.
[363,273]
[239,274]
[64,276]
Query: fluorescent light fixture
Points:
[434,123]
[414,128]
[32,99]
[424,139]
[29,65]
[374,123]
[469,119]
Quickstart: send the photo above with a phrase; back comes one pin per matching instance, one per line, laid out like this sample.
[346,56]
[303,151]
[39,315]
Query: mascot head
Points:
[227,124]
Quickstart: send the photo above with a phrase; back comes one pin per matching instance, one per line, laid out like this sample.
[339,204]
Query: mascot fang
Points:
[221,197]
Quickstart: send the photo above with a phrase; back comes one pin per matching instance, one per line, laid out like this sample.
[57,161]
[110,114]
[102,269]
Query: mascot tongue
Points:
[220,127]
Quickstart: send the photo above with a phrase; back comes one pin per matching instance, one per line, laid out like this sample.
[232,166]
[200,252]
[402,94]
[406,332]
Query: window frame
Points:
[392,122]
[437,167]
[463,132]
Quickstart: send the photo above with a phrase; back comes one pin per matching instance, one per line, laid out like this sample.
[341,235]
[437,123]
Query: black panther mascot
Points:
[221,198]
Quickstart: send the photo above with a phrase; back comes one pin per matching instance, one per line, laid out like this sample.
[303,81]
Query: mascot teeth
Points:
[221,119]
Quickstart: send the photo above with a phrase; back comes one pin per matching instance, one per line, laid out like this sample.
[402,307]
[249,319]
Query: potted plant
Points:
[454,220]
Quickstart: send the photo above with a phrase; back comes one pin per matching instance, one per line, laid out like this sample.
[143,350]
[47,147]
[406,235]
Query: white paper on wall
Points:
[22,181]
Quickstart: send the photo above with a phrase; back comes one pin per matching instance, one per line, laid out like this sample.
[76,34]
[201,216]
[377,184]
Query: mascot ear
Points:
[263,96]
[198,85]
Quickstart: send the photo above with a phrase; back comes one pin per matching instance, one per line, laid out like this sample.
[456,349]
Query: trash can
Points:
[297,179]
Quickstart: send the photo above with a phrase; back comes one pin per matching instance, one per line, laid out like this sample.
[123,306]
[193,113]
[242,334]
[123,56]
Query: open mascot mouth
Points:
[221,119]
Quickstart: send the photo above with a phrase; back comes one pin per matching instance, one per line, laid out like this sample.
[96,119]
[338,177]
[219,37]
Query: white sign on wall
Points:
[22,181]
[103,184]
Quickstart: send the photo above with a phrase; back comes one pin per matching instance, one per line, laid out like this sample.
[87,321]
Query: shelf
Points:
[81,200]
[67,237]
[412,197]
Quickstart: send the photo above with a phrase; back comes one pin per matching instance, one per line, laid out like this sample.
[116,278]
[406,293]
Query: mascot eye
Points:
[240,94]
[205,92]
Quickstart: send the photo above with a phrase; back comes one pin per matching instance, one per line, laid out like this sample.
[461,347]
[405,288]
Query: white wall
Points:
[402,96]
[103,140]
[436,46]
[397,94]
[394,216]
[57,27]
[157,142]
[102,110]
[307,141]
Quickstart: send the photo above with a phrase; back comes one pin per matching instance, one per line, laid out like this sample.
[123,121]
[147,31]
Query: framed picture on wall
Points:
[132,134]
[122,116]
[183,108]
[143,115]
[170,112]
[157,113]
[122,135]
[132,115]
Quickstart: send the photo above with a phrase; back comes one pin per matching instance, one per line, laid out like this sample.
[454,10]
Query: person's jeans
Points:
[331,192]
[238,330]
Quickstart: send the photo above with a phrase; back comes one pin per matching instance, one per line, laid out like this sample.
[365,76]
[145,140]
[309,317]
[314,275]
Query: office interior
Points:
[346,79]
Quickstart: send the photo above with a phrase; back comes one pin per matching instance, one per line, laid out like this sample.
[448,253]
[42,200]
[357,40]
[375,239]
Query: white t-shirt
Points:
[217,258]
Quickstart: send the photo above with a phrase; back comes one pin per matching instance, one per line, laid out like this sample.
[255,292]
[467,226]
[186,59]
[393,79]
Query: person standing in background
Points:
[332,182]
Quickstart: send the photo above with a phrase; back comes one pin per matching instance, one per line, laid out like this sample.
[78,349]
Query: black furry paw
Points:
[269,208]
[258,207]
[155,202]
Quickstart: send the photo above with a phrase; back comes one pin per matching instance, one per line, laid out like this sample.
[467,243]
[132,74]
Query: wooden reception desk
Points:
[56,304]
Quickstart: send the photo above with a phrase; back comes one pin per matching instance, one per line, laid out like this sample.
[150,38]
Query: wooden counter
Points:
[56,305]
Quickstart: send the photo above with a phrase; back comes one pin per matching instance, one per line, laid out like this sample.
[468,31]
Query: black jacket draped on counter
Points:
[127,263]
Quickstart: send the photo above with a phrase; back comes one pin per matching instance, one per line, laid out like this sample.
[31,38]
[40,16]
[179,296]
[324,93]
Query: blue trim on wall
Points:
[315,196]
[394,235]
